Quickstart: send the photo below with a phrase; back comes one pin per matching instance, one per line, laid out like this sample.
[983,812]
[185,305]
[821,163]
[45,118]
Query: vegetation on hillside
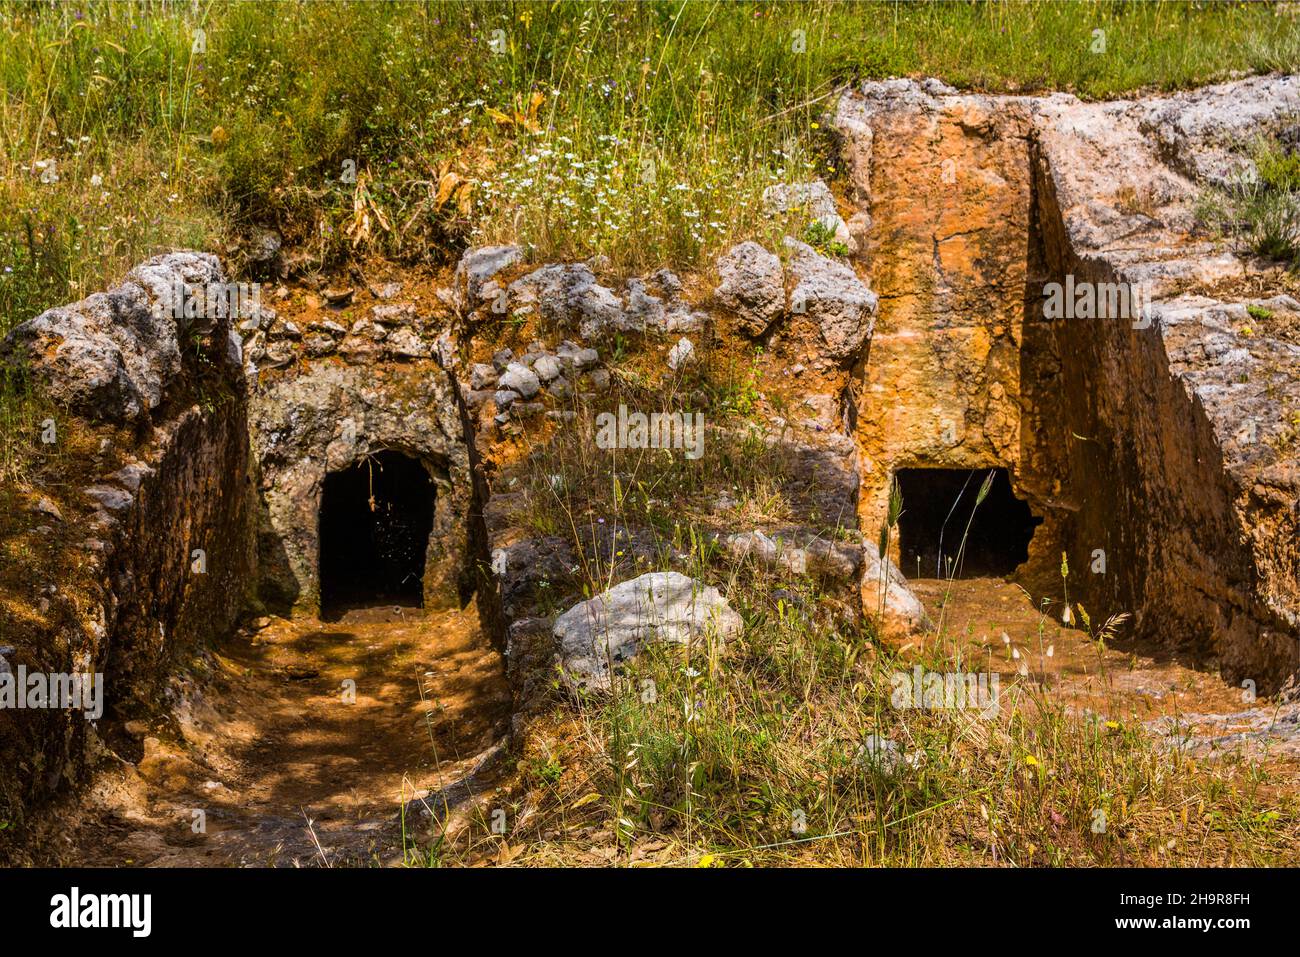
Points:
[644,131]
[1260,208]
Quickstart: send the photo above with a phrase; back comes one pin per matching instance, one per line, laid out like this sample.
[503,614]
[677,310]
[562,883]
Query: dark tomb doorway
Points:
[938,504]
[375,520]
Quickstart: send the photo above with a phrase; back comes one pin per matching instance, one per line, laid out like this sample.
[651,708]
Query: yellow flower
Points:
[1113,725]
[708,860]
[1031,760]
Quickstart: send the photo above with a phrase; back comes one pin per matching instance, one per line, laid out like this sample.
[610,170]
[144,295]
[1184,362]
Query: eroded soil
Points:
[996,626]
[271,753]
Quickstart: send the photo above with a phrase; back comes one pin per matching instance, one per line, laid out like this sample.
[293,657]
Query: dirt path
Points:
[996,626]
[335,723]
[265,742]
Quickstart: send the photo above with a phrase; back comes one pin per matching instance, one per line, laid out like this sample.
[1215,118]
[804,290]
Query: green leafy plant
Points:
[821,237]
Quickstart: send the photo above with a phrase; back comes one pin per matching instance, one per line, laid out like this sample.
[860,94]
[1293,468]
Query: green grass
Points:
[768,759]
[1260,208]
[191,143]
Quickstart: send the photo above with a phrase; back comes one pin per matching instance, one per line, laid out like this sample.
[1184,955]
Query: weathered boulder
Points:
[752,286]
[113,355]
[478,266]
[482,376]
[568,294]
[547,367]
[519,378]
[832,296]
[583,359]
[612,627]
[799,552]
[681,354]
[885,593]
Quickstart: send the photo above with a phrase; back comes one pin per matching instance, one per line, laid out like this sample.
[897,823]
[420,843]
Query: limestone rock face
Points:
[1192,402]
[612,627]
[113,355]
[328,416]
[944,180]
[163,535]
[752,286]
[1156,440]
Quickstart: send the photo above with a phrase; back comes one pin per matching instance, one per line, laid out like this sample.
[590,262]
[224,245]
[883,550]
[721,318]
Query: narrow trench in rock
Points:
[333,733]
[947,530]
